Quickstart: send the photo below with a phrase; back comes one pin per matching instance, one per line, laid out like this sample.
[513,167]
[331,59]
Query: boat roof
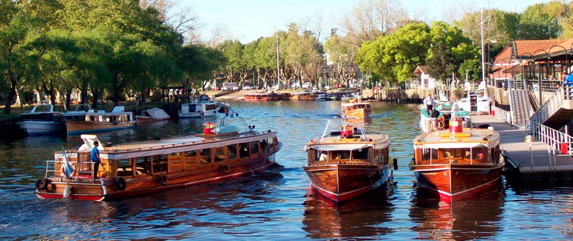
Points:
[469,138]
[359,141]
[357,103]
[171,145]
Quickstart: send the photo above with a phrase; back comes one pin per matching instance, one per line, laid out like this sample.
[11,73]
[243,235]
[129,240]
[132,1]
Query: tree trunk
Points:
[115,85]
[68,98]
[11,96]
[84,91]
[95,96]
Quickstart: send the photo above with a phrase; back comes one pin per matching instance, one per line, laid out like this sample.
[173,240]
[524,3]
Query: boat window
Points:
[142,165]
[428,154]
[264,145]
[321,155]
[244,150]
[456,153]
[341,155]
[124,168]
[271,141]
[205,156]
[232,149]
[480,155]
[210,107]
[192,108]
[220,154]
[159,163]
[254,147]
[360,154]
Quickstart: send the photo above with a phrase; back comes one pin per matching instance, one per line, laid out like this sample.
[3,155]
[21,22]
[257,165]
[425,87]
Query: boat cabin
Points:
[470,147]
[170,156]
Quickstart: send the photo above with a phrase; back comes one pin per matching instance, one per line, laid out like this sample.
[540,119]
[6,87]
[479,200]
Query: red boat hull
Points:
[340,183]
[457,182]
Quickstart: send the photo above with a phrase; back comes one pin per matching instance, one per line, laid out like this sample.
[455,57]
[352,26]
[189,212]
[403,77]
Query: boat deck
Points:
[530,158]
[468,135]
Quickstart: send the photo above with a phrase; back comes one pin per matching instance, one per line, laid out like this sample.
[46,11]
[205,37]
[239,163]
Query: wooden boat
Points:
[457,163]
[151,166]
[304,96]
[348,162]
[152,115]
[440,118]
[355,109]
[78,114]
[42,119]
[255,97]
[100,121]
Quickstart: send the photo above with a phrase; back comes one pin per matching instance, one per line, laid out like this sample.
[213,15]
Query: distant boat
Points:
[355,108]
[346,163]
[144,167]
[42,119]
[439,119]
[198,109]
[476,103]
[152,115]
[304,96]
[457,163]
[100,121]
[78,114]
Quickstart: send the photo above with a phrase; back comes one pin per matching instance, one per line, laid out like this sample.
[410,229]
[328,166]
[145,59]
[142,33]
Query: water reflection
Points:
[365,216]
[475,218]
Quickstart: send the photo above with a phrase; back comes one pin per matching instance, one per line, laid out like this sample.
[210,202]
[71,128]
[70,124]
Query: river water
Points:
[278,204]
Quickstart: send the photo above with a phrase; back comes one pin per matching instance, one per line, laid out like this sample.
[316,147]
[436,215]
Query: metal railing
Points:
[501,114]
[550,107]
[559,142]
[79,168]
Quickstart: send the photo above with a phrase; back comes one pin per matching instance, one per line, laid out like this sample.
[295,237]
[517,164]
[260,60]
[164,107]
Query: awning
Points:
[342,147]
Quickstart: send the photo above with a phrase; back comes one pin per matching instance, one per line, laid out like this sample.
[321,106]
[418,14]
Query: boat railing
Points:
[80,168]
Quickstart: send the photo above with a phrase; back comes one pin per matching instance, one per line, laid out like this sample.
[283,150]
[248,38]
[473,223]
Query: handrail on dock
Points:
[558,141]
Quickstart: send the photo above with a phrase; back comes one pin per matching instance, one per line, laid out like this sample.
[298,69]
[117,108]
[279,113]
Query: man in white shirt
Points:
[429,103]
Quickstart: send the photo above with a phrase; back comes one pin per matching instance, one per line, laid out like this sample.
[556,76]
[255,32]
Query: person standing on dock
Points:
[429,103]
[94,157]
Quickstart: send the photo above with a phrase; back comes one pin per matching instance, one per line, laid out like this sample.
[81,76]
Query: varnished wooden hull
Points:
[357,113]
[454,182]
[343,182]
[104,189]
[80,127]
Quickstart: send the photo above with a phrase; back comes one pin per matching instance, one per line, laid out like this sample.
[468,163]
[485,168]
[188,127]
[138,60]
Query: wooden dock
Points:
[535,161]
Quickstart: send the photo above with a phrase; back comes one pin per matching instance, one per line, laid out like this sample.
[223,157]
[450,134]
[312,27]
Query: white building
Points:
[425,80]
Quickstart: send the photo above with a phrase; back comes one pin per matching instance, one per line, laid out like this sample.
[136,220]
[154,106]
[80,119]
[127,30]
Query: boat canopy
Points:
[344,147]
[157,113]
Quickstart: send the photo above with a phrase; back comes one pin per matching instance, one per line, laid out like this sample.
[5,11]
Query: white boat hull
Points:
[40,127]
[198,114]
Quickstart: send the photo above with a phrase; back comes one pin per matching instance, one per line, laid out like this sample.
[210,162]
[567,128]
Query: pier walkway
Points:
[535,160]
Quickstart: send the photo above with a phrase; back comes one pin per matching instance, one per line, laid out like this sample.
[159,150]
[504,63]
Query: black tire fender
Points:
[42,184]
[119,184]
[162,179]
[224,168]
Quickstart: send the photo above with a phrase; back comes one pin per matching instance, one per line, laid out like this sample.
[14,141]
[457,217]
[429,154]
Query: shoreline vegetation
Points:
[58,51]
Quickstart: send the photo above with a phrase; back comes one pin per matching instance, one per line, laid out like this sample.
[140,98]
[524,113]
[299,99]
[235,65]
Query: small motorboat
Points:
[100,121]
[42,119]
[348,162]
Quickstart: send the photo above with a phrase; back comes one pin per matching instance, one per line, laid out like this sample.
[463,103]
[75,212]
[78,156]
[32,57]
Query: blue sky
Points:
[247,20]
